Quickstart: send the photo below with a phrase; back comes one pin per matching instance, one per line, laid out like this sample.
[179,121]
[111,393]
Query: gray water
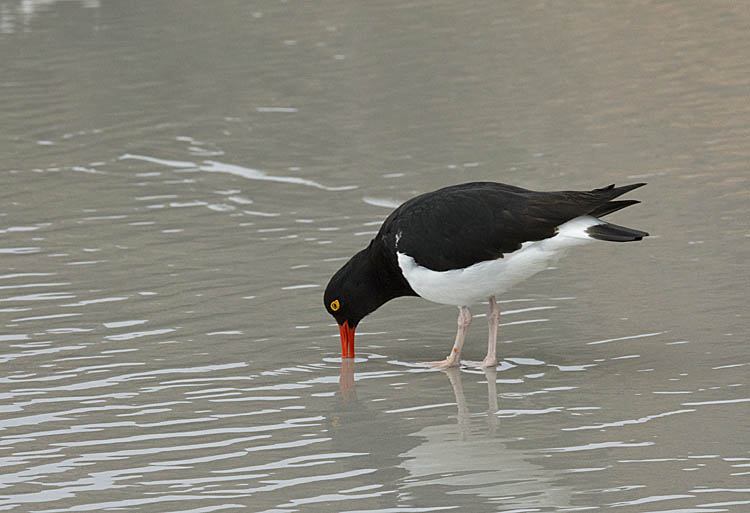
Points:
[179,179]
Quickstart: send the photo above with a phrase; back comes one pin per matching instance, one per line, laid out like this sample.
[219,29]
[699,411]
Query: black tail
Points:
[605,195]
[611,206]
[611,192]
[615,233]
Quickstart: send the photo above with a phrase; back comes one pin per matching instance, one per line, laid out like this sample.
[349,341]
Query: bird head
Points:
[353,292]
[341,302]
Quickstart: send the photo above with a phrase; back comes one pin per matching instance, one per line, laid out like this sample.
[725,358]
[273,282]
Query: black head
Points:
[354,292]
[343,296]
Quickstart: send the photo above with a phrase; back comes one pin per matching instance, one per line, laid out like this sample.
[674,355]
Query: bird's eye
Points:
[335,305]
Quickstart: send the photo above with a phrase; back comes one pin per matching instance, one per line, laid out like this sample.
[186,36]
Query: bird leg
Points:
[454,358]
[493,317]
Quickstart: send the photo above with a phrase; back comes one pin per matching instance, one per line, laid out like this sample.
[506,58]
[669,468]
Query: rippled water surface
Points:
[179,179]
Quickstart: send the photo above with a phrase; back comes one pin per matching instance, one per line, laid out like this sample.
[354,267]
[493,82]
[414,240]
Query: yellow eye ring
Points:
[335,305]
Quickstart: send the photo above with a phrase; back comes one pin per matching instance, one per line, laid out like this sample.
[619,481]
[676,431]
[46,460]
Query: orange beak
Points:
[347,340]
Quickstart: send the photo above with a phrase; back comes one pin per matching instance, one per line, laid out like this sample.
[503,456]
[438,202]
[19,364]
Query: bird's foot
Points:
[444,364]
[488,363]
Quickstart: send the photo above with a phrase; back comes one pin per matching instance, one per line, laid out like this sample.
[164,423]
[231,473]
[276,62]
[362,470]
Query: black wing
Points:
[461,225]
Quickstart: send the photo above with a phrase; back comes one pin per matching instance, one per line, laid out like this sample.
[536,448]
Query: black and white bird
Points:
[467,243]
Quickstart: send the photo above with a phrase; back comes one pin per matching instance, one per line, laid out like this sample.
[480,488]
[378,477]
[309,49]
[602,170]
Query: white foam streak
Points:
[212,166]
[630,337]
[380,202]
[621,423]
[161,162]
[600,445]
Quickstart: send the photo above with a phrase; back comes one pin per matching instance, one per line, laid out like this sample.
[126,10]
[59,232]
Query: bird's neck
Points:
[383,276]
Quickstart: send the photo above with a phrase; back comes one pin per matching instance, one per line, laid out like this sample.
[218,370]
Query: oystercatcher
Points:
[467,243]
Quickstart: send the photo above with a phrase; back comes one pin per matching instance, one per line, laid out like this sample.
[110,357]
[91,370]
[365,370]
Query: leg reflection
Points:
[492,420]
[454,376]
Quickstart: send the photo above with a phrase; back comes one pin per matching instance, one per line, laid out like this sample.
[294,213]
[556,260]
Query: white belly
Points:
[464,287]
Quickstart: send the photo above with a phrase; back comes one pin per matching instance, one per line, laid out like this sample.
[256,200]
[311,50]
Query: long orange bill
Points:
[347,340]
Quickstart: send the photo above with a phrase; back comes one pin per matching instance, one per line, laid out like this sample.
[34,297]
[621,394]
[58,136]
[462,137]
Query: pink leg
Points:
[463,322]
[493,317]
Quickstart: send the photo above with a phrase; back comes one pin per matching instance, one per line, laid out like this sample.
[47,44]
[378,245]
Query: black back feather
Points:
[461,225]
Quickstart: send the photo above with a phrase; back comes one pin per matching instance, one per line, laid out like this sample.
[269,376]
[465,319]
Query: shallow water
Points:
[180,179]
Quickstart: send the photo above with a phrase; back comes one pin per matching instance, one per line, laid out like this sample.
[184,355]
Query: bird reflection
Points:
[472,464]
[452,456]
[347,391]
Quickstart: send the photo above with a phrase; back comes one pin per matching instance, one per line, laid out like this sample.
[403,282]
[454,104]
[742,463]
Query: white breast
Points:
[464,287]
